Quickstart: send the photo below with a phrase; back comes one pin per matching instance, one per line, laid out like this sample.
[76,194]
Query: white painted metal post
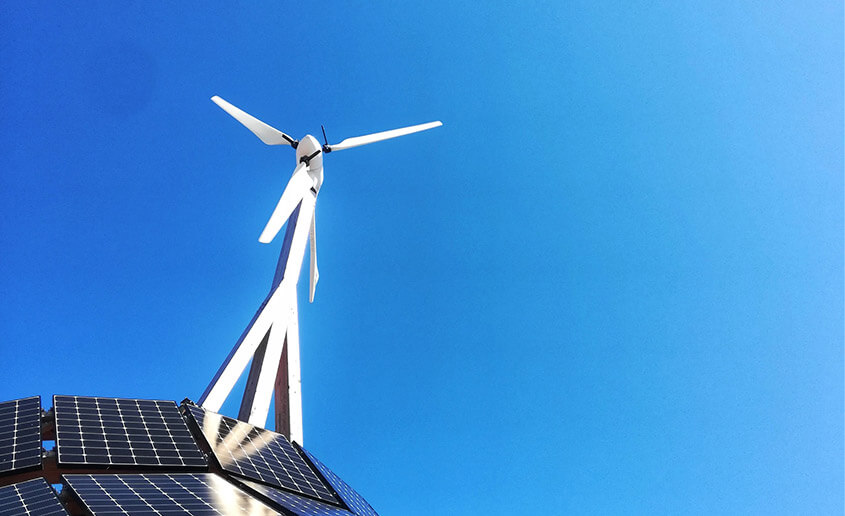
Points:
[294,380]
[267,375]
[251,338]
[278,316]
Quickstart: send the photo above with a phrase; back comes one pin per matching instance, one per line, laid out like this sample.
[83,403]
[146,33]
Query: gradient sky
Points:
[612,282]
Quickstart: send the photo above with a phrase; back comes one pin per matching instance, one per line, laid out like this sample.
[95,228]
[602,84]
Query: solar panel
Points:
[20,434]
[183,493]
[349,496]
[259,454]
[113,431]
[34,498]
[299,505]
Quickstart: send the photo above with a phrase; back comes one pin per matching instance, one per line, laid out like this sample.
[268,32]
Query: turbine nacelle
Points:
[307,147]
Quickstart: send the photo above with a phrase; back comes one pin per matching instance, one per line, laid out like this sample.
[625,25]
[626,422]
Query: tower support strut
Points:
[271,340]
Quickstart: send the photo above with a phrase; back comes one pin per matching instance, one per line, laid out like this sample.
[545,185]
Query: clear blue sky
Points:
[611,283]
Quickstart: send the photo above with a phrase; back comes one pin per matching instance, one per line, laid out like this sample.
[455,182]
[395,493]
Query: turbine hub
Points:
[307,147]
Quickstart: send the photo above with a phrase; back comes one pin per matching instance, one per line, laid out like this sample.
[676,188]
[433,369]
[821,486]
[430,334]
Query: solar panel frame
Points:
[20,434]
[350,497]
[299,505]
[259,454]
[124,432]
[163,493]
[34,498]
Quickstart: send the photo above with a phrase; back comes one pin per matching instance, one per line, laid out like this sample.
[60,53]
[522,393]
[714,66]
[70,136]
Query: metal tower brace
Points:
[271,339]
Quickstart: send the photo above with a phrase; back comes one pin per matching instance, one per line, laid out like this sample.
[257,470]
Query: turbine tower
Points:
[271,339]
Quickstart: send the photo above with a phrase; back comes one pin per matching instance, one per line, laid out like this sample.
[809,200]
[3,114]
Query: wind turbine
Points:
[272,337]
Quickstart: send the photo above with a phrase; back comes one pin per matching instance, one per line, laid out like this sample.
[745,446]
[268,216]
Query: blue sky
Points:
[612,282]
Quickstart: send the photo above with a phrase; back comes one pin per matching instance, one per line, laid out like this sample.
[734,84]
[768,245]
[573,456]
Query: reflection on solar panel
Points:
[33,498]
[183,493]
[349,496]
[259,454]
[116,431]
[20,434]
[298,505]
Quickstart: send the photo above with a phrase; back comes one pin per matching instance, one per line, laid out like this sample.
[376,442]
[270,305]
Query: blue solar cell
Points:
[20,434]
[32,498]
[299,505]
[123,432]
[259,454]
[349,496]
[184,493]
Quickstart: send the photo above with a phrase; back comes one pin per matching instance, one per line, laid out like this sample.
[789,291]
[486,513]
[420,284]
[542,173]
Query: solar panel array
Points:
[259,454]
[184,493]
[113,431]
[299,505]
[33,498]
[20,434]
[349,496]
[161,469]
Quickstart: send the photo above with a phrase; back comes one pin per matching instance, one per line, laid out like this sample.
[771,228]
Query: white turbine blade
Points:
[299,184]
[384,135]
[315,273]
[269,135]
